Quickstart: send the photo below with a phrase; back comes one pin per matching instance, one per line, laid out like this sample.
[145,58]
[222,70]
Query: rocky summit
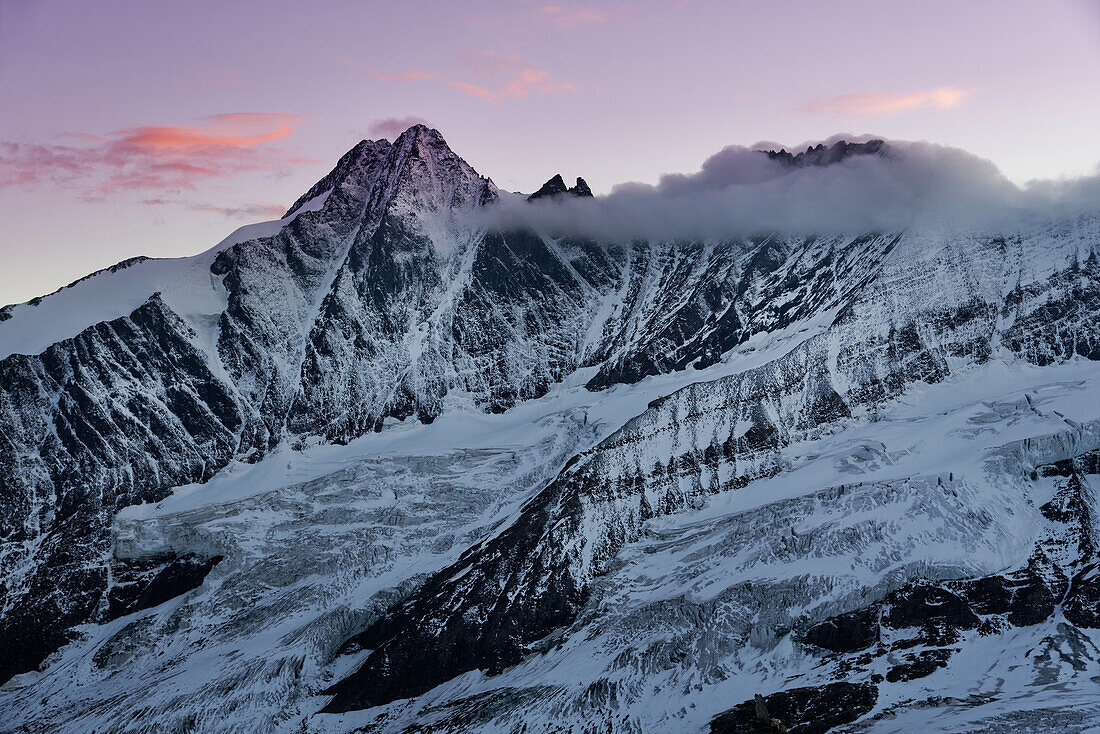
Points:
[556,186]
[379,466]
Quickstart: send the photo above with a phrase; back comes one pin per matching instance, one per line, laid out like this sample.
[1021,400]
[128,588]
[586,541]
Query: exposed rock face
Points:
[711,299]
[553,187]
[143,583]
[846,632]
[109,418]
[822,155]
[556,187]
[803,710]
[374,302]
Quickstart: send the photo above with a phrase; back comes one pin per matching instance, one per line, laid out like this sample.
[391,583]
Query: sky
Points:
[136,128]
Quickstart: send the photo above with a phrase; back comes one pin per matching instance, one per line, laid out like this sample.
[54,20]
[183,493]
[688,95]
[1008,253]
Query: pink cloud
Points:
[235,130]
[535,80]
[509,75]
[411,75]
[475,91]
[497,76]
[24,164]
[880,104]
[153,157]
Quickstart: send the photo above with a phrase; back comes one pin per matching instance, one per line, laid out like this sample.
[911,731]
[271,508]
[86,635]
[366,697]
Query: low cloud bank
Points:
[742,191]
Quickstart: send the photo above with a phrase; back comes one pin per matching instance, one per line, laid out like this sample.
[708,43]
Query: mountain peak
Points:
[556,187]
[824,155]
[419,161]
[421,141]
[419,132]
[424,173]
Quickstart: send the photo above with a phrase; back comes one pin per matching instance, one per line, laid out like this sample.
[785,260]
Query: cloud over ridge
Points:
[741,191]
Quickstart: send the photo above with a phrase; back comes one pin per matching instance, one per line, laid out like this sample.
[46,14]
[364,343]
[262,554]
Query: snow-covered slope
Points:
[708,438]
[373,456]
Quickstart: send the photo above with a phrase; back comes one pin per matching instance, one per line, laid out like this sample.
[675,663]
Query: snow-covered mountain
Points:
[378,466]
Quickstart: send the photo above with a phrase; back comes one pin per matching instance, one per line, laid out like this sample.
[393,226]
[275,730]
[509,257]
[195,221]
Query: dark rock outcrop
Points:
[144,583]
[823,155]
[806,710]
[846,632]
[556,187]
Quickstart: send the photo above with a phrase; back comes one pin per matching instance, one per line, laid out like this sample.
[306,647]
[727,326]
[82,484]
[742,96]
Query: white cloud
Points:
[739,191]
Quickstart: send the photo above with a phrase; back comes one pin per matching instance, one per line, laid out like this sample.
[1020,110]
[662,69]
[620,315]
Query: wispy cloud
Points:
[153,157]
[490,76]
[475,91]
[882,104]
[233,131]
[507,75]
[410,75]
[391,127]
[248,210]
[535,80]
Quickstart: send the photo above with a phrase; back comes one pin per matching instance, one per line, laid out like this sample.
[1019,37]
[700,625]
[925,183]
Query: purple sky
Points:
[156,128]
